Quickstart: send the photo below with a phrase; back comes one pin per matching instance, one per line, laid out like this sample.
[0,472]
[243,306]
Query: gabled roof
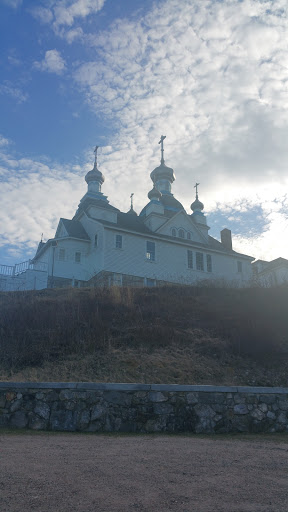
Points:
[74,229]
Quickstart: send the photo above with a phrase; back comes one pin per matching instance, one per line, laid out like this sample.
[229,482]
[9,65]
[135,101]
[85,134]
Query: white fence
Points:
[23,276]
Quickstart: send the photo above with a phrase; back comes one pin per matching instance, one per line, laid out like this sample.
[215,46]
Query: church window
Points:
[150,251]
[61,254]
[181,233]
[199,261]
[118,242]
[77,257]
[190,259]
[209,262]
[173,232]
[239,266]
[188,236]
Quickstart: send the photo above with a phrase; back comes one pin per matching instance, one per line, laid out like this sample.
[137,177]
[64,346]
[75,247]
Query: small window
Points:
[181,233]
[173,232]
[95,240]
[190,259]
[77,257]
[118,242]
[188,236]
[199,261]
[239,266]
[61,254]
[150,282]
[209,262]
[150,251]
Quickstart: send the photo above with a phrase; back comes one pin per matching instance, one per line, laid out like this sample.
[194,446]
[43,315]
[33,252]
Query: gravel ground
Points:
[47,472]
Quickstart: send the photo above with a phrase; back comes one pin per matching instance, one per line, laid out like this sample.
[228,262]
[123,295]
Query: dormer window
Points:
[181,233]
[188,236]
[173,232]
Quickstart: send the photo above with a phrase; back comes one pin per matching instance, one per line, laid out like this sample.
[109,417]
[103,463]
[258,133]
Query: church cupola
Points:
[197,208]
[154,194]
[94,178]
[163,176]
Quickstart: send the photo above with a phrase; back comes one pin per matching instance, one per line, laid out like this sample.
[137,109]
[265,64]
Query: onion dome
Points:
[154,194]
[163,176]
[197,205]
[94,175]
[162,173]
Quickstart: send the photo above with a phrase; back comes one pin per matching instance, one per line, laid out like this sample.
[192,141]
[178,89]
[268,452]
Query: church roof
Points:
[75,229]
[93,201]
[171,205]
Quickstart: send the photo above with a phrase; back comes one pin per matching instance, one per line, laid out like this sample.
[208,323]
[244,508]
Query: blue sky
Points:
[210,75]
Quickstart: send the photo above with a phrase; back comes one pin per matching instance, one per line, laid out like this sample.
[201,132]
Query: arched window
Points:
[188,236]
[173,232]
[181,233]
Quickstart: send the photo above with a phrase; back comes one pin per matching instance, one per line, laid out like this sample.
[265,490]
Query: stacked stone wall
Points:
[144,408]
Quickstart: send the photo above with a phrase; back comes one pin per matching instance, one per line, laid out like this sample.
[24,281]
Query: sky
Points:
[211,75]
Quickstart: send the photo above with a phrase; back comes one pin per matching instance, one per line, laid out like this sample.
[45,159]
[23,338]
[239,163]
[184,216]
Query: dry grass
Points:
[167,335]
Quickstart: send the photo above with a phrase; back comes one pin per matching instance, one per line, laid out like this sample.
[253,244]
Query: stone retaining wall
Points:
[93,407]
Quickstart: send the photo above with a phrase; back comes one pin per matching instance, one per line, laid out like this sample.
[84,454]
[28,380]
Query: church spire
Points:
[95,180]
[163,176]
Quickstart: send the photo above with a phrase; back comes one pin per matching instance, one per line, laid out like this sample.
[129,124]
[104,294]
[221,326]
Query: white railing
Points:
[19,268]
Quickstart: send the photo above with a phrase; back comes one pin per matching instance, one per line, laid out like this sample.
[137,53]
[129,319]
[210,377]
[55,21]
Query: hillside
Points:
[182,335]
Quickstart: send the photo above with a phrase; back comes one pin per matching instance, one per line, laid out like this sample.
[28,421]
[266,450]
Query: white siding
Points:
[170,262]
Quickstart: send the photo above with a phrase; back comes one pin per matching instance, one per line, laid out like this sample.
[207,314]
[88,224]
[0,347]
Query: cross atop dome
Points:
[95,151]
[163,137]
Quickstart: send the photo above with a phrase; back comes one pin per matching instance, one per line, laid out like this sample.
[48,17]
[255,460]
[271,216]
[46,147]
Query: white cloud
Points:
[9,89]
[52,62]
[34,195]
[3,141]
[62,14]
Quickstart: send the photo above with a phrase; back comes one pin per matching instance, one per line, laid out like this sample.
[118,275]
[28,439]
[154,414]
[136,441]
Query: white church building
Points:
[102,246]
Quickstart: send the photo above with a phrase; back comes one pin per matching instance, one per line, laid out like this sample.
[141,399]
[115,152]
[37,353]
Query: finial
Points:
[196,186]
[41,238]
[162,148]
[95,151]
[131,197]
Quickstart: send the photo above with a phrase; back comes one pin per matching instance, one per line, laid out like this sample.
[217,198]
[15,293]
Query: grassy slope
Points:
[183,335]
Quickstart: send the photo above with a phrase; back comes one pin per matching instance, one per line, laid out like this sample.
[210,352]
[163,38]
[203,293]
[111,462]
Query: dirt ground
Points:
[47,472]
